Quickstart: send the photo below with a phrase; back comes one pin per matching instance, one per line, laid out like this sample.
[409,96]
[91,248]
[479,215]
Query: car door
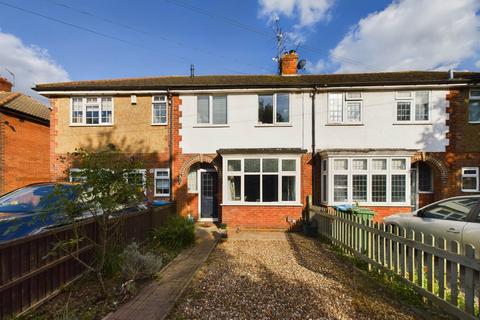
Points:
[445,219]
[471,231]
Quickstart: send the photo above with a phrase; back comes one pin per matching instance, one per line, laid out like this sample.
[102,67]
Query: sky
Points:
[61,40]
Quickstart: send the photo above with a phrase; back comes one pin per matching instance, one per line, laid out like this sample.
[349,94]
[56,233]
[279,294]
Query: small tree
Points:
[108,185]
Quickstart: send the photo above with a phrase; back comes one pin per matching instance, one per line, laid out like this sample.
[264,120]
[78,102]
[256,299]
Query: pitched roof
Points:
[21,103]
[264,81]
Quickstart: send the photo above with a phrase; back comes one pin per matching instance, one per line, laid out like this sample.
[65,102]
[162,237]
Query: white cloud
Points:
[31,65]
[412,34]
[317,67]
[307,12]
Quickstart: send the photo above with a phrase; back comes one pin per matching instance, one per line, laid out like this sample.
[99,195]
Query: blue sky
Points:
[232,37]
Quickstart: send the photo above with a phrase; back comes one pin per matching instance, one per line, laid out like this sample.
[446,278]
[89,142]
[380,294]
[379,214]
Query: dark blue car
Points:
[30,209]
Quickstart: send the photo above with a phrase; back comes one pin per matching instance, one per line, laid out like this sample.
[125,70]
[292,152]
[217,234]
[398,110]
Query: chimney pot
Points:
[5,85]
[288,63]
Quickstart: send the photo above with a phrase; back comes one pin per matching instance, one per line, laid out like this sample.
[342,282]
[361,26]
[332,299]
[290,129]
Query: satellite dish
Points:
[301,64]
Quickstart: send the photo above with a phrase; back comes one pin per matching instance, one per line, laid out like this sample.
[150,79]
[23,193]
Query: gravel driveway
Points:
[284,276]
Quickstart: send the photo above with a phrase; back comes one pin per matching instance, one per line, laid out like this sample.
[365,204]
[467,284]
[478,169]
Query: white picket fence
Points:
[439,270]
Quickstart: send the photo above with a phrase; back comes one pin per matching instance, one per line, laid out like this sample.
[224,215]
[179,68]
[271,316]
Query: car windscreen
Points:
[33,198]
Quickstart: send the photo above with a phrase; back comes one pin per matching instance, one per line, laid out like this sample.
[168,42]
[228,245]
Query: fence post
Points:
[469,282]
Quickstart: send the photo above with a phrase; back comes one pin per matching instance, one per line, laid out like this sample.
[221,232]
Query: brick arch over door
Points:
[435,162]
[200,158]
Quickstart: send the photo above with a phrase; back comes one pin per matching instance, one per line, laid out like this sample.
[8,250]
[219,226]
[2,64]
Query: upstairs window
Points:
[345,108]
[92,111]
[474,107]
[212,110]
[274,108]
[159,110]
[413,106]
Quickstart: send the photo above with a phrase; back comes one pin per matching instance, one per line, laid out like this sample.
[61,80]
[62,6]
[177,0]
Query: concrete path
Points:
[157,299]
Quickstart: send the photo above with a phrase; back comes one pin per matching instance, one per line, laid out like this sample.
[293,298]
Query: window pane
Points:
[270,188]
[106,110]
[283,112]
[162,186]
[219,110]
[424,177]
[160,112]
[469,183]
[252,188]
[192,180]
[288,165]
[403,111]
[398,187]
[92,115]
[203,112]
[335,105]
[252,165]
[324,188]
[340,164]
[354,111]
[234,165]
[474,111]
[359,164]
[269,165]
[475,94]
[265,109]
[340,188]
[77,110]
[379,188]
[421,106]
[288,188]
[399,164]
[379,164]
[234,188]
[324,165]
[359,187]
[456,209]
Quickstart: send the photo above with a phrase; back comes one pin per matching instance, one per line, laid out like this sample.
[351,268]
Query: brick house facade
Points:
[24,140]
[404,145]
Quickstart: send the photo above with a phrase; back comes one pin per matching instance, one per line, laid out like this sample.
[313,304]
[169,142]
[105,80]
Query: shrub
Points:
[137,265]
[177,233]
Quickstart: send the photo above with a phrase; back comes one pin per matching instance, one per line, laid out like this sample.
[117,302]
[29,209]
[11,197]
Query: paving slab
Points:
[157,299]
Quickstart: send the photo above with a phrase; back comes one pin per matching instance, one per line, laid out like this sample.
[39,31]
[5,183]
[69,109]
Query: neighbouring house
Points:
[245,149]
[24,139]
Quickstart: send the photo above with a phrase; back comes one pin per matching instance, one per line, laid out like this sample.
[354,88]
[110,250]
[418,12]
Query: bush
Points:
[136,265]
[177,233]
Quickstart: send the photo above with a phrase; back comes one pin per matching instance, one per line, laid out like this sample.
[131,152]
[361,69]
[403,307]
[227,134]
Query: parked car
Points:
[456,218]
[31,209]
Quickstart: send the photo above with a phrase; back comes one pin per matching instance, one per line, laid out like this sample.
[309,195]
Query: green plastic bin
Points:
[363,213]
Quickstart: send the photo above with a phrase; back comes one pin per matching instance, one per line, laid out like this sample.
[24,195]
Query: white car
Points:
[456,218]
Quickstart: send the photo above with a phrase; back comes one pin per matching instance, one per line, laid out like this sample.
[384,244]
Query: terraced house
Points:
[248,150]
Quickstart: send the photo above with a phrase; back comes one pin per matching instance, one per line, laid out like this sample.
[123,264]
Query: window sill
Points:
[267,125]
[469,191]
[344,124]
[211,126]
[161,195]
[91,125]
[263,204]
[473,122]
[412,123]
[373,204]
[159,124]
[425,192]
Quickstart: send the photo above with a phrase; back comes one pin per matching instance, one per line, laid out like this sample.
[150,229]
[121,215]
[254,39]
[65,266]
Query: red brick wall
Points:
[382,212]
[263,217]
[25,152]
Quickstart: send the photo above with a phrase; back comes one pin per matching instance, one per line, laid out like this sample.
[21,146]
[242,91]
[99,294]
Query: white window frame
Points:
[84,112]
[470,175]
[345,101]
[166,110]
[274,115]
[280,174]
[167,170]
[412,101]
[475,98]
[210,111]
[369,172]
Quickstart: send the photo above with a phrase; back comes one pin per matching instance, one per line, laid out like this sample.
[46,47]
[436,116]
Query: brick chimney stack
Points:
[288,63]
[5,85]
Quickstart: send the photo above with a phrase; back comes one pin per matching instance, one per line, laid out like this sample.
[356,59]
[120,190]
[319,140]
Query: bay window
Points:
[91,111]
[274,108]
[261,180]
[382,180]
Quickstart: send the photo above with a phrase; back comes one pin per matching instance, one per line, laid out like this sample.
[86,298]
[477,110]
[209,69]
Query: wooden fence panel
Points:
[30,274]
[442,272]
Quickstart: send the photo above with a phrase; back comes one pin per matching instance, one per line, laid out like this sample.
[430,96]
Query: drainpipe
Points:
[314,95]
[170,141]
